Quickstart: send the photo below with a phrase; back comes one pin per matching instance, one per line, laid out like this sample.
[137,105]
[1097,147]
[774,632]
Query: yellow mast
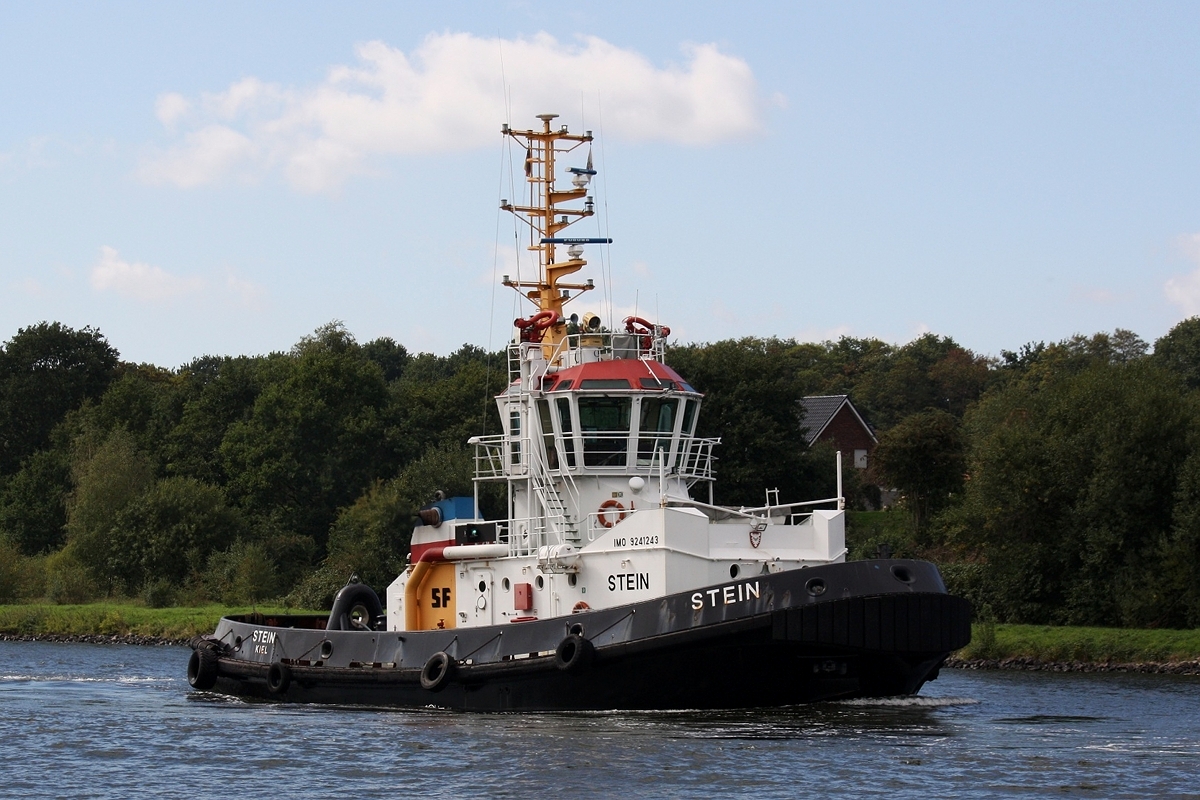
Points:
[547,217]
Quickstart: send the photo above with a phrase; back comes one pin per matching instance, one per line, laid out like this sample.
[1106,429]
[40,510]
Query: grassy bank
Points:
[989,641]
[117,619]
[1090,645]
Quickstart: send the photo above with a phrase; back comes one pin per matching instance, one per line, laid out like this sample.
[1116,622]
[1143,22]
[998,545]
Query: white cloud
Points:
[1189,245]
[1184,290]
[1097,295]
[449,94]
[205,155]
[32,155]
[150,284]
[918,330]
[247,293]
[171,108]
[31,286]
[142,282]
[819,335]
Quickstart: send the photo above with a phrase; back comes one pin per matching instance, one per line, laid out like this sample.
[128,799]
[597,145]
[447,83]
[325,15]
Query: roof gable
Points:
[819,411]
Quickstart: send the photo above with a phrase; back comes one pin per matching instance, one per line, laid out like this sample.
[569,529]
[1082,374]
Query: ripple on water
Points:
[110,721]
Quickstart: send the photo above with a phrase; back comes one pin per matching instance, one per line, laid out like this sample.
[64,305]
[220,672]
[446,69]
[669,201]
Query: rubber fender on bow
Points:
[574,653]
[437,672]
[202,669]
[355,601]
[279,678]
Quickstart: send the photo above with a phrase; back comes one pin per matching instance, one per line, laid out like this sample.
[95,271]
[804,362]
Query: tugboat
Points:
[609,584]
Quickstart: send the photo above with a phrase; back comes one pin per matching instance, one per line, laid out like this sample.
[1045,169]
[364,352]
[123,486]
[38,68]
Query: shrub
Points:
[245,573]
[68,582]
[158,593]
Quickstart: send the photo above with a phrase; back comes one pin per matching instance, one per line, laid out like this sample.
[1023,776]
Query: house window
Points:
[860,459]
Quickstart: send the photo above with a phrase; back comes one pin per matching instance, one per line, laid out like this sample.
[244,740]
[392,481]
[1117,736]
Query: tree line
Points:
[1056,483]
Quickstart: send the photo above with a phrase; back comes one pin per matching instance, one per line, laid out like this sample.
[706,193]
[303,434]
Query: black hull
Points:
[868,644]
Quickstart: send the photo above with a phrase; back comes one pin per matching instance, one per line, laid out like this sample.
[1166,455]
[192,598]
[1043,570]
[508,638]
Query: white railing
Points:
[578,348]
[523,536]
[602,452]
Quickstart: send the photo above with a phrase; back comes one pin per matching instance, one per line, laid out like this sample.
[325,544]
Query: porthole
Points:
[540,581]
[482,586]
[572,579]
[505,583]
[734,570]
[815,587]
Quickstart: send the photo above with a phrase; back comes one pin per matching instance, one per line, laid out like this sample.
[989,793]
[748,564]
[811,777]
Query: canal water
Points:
[117,721]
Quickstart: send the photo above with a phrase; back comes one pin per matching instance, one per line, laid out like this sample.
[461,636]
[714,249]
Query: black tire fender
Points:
[574,653]
[279,678]
[202,669]
[350,597]
[437,672]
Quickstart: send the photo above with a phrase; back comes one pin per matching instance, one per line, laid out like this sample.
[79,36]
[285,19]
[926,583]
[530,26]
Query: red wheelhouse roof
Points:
[629,369]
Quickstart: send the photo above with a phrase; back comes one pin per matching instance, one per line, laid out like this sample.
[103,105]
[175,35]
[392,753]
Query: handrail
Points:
[694,459]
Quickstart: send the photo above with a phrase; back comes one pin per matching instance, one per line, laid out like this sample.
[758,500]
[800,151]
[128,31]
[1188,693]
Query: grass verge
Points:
[1090,645]
[118,619]
[989,641]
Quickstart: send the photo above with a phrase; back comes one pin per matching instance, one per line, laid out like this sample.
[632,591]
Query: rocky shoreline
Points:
[1018,663]
[1027,664]
[94,638]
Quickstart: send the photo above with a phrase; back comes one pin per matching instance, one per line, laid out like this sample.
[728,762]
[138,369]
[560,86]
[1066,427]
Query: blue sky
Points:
[221,179]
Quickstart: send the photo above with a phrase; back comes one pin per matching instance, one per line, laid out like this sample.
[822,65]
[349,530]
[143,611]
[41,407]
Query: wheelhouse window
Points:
[689,416]
[656,426]
[564,421]
[548,439]
[514,434]
[604,425]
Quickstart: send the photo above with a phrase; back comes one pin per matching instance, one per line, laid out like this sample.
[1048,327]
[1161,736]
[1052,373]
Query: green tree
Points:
[219,392]
[371,537]
[446,401]
[1179,351]
[314,440]
[923,457]
[1073,480]
[33,513]
[169,531]
[244,573]
[1179,600]
[45,371]
[754,407]
[108,476]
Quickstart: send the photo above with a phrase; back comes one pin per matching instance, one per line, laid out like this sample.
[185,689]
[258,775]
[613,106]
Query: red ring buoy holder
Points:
[647,330]
[534,328]
[602,514]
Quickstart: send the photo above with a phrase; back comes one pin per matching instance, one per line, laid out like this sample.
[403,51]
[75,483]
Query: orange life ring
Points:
[602,516]
[543,319]
[580,606]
